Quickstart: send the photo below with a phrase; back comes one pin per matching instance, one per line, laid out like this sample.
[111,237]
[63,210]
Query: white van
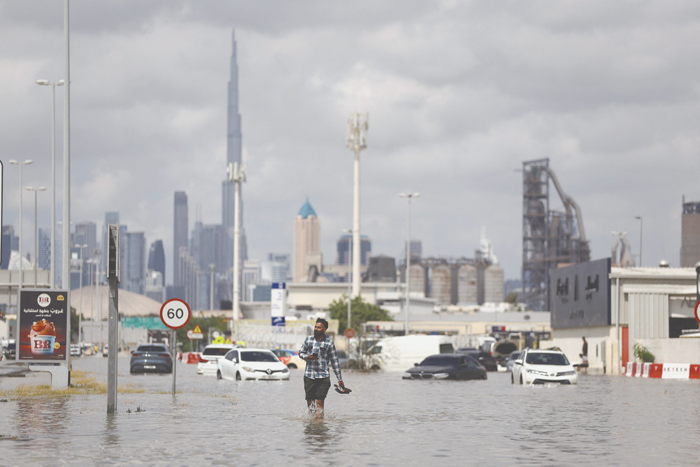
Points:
[396,354]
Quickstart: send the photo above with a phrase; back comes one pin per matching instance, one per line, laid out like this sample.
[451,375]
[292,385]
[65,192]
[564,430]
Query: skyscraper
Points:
[690,234]
[234,151]
[156,259]
[44,255]
[307,239]
[85,233]
[179,233]
[343,248]
[133,269]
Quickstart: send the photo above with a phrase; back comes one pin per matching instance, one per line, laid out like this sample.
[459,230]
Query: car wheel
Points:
[218,374]
[238,376]
[292,366]
[521,379]
[375,367]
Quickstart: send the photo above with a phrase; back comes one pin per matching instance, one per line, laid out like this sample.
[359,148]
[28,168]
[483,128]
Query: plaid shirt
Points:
[325,348]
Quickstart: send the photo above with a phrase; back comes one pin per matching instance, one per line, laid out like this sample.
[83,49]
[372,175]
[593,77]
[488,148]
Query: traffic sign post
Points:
[175,314]
[696,311]
[349,333]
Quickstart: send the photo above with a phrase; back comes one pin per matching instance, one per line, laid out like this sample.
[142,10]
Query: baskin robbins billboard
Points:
[43,323]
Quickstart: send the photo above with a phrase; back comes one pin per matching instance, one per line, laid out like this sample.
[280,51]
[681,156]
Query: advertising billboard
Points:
[278,303]
[43,324]
[581,295]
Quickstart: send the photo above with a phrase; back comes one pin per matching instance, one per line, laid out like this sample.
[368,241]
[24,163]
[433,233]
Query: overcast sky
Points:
[459,93]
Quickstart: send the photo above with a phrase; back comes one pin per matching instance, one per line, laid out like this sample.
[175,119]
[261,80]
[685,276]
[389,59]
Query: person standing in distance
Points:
[318,350]
[584,350]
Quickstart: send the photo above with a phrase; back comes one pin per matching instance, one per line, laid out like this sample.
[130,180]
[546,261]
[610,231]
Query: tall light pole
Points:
[236,175]
[44,82]
[408,196]
[36,232]
[349,255]
[641,228]
[358,124]
[80,316]
[212,268]
[66,162]
[20,164]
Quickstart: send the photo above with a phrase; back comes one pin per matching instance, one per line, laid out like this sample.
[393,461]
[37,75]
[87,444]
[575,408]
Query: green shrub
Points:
[643,354]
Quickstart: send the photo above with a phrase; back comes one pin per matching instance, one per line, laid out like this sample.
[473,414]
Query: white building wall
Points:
[602,346]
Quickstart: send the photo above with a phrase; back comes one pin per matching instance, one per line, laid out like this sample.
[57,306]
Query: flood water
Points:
[385,421]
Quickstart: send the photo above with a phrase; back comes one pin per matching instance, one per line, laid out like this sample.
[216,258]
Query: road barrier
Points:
[663,370]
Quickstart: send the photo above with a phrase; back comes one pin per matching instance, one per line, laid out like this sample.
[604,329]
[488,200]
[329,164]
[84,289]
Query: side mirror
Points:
[415,364]
[518,362]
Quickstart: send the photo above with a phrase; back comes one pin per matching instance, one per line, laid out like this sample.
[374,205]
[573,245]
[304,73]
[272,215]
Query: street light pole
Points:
[20,164]
[236,175]
[80,316]
[44,82]
[358,124]
[36,232]
[349,255]
[408,196]
[641,229]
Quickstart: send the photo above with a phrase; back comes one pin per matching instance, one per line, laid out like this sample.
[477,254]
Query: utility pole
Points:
[409,196]
[358,124]
[236,175]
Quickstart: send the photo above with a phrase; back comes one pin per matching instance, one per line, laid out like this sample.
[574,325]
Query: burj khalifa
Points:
[234,152]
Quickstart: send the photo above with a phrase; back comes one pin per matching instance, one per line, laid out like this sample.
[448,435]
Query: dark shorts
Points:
[316,389]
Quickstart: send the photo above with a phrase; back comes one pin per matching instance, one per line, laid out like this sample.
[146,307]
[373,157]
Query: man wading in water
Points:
[317,351]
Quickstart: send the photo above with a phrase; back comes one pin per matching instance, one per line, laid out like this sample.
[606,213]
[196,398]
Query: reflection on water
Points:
[385,421]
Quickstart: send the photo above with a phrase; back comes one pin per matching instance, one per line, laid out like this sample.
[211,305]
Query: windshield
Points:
[541,358]
[254,356]
[439,361]
[215,352]
[150,348]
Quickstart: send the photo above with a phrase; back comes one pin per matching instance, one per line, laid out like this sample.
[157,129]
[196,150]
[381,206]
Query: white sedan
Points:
[543,366]
[251,364]
[207,363]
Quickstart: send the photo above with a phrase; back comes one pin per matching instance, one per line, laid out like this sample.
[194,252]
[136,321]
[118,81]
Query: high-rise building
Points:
[110,218]
[10,243]
[307,239]
[275,269]
[180,224]
[44,254]
[207,246]
[154,286]
[250,277]
[690,234]
[156,259]
[133,269]
[234,151]
[343,247]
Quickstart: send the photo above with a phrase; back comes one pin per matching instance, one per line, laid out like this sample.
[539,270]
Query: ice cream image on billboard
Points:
[42,337]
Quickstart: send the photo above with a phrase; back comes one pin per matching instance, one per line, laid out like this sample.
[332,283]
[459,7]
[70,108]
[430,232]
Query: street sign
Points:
[197,330]
[278,303]
[193,334]
[175,313]
[190,334]
[349,333]
[696,311]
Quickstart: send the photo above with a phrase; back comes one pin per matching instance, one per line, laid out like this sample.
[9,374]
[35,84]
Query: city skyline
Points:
[449,117]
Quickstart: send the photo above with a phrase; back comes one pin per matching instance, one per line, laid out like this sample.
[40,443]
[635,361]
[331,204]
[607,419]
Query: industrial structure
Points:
[550,238]
[690,234]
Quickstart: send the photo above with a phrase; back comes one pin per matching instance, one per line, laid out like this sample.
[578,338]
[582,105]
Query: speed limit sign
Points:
[175,313]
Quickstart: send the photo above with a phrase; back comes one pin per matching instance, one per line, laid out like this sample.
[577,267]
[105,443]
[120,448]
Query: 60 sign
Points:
[175,313]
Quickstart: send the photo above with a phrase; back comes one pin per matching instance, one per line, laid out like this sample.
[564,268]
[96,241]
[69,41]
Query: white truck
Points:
[397,354]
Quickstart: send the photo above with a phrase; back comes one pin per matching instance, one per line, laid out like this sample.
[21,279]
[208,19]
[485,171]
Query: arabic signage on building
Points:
[581,295]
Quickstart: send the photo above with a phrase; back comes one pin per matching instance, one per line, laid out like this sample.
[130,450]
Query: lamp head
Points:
[27,162]
[60,83]
[42,82]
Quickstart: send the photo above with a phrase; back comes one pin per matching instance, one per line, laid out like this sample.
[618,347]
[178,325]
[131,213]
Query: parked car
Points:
[251,364]
[290,358]
[151,358]
[484,358]
[543,366]
[447,366]
[511,359]
[75,350]
[105,351]
[207,362]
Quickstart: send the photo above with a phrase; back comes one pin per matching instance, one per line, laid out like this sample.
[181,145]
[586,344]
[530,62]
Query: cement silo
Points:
[467,284]
[417,279]
[493,284]
[441,284]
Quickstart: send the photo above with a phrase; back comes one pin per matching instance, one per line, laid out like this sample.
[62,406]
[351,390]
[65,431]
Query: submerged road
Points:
[385,421]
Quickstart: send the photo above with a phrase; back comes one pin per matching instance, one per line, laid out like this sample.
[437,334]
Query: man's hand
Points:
[312,357]
[341,384]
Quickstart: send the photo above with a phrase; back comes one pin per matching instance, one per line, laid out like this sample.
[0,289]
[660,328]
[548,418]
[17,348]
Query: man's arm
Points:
[335,363]
[304,351]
